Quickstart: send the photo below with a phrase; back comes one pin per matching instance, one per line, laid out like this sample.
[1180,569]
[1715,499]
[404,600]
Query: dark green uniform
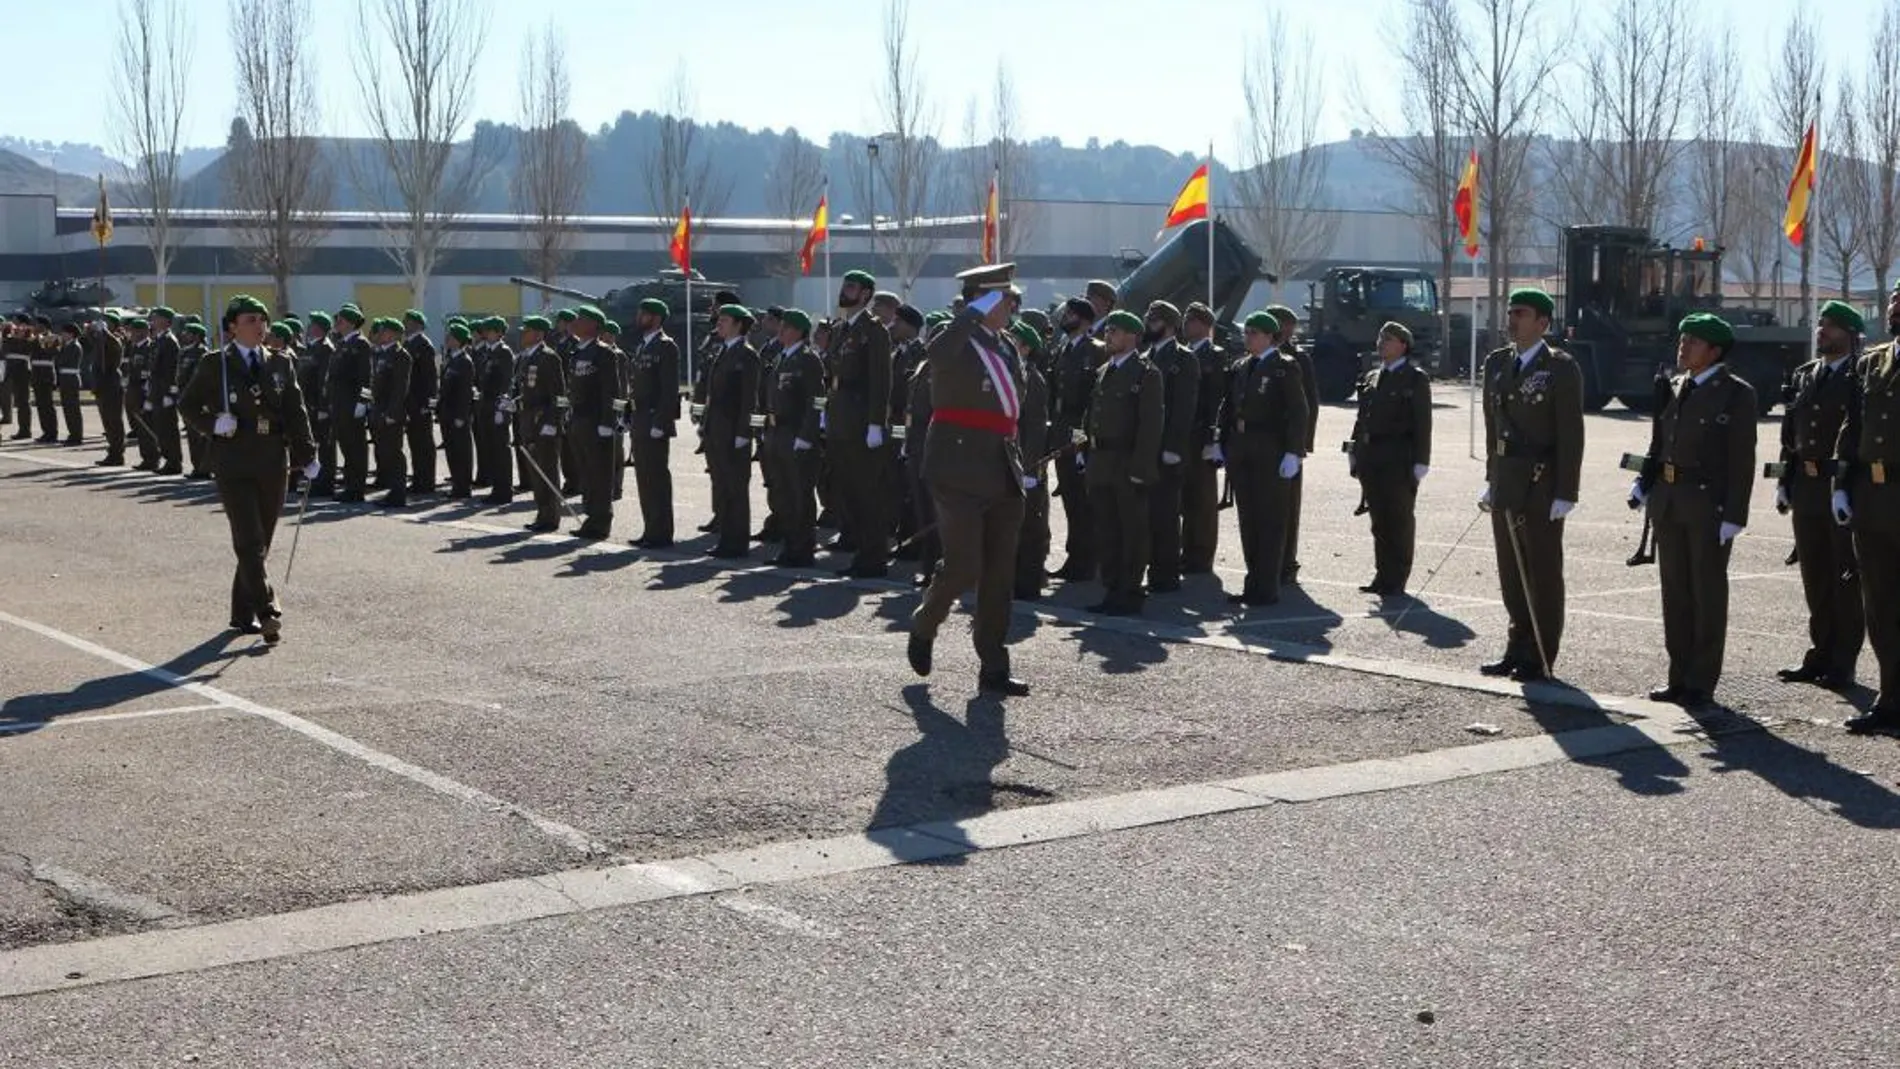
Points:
[1032,436]
[653,411]
[858,397]
[1074,383]
[45,372]
[1126,417]
[138,404]
[253,464]
[455,410]
[596,396]
[389,411]
[732,389]
[794,398]
[313,378]
[109,393]
[16,349]
[425,378]
[163,395]
[1533,437]
[1200,489]
[1868,458]
[768,350]
[917,410]
[189,354]
[349,411]
[493,406]
[1181,387]
[1390,439]
[1830,580]
[540,400]
[1698,475]
[909,355]
[1296,487]
[1264,418]
[68,361]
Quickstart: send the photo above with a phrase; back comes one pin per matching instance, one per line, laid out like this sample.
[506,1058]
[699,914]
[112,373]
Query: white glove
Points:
[982,305]
[1170,458]
[1843,512]
[148,406]
[170,402]
[1419,471]
[799,445]
[873,436]
[1636,492]
[655,433]
[225,425]
[507,404]
[741,443]
[821,421]
[1782,504]
[1029,482]
[361,411]
[501,419]
[1560,509]
[1081,462]
[1289,466]
[461,423]
[311,470]
[1728,532]
[1484,499]
[605,432]
[1213,453]
[547,430]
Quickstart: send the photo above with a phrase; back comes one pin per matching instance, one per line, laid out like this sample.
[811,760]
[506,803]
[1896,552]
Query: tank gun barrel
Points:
[548,287]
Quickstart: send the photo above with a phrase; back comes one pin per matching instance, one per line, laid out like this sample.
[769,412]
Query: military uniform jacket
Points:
[389,386]
[66,363]
[540,392]
[456,402]
[1701,462]
[424,375]
[1214,362]
[860,389]
[1811,430]
[596,394]
[1125,422]
[109,356]
[1868,453]
[1074,384]
[653,385]
[495,374]
[45,365]
[917,411]
[1533,426]
[190,355]
[768,359]
[1032,430]
[795,394]
[273,428]
[1265,415]
[1181,388]
[1394,427]
[985,464]
[1309,387]
[313,377]
[732,389]
[164,370]
[138,365]
[904,364]
[350,373]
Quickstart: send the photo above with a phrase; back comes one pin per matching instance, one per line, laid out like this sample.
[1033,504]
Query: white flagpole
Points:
[826,197]
[1814,191]
[1210,229]
[692,367]
[1474,345]
[996,183]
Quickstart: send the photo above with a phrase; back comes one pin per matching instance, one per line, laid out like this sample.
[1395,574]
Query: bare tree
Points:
[1631,99]
[155,50]
[1718,159]
[1879,221]
[1428,150]
[417,76]
[680,167]
[1502,66]
[1281,183]
[1838,230]
[906,156]
[1793,102]
[1754,229]
[792,189]
[277,182]
[551,175]
[1014,166]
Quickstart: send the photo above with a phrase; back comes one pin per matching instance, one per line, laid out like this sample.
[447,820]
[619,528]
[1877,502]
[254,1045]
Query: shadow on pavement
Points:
[1642,766]
[30,712]
[946,775]
[1805,775]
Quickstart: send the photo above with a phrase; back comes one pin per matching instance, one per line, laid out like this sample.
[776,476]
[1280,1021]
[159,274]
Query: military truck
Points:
[1620,298]
[1347,306]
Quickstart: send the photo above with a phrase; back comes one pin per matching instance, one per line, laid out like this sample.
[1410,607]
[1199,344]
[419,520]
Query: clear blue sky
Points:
[1163,73]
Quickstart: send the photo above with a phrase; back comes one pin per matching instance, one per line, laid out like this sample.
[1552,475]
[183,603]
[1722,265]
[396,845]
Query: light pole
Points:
[870,186]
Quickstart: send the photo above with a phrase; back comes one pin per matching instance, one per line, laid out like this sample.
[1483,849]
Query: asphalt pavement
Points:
[513,799]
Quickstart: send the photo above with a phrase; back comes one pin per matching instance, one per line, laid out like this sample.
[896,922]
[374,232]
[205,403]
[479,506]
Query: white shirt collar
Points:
[412,336]
[649,336]
[1707,372]
[1202,344]
[1271,351]
[1835,365]
[1118,361]
[734,341]
[792,348]
[1395,365]
[1525,356]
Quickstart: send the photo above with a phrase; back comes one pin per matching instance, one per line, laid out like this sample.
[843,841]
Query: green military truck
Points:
[1347,306]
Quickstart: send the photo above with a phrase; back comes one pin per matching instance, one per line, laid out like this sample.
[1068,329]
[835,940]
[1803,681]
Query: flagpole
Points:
[996,183]
[1807,257]
[1473,405]
[1210,230]
[692,363]
[825,199]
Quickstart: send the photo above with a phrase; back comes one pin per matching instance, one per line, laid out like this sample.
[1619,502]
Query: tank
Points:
[620,303]
[1177,272]
[68,301]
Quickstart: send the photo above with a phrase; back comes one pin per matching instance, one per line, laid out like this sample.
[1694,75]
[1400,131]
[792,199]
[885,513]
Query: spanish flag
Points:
[1190,203]
[820,230]
[681,247]
[990,216]
[1464,206]
[1800,190]
[102,216]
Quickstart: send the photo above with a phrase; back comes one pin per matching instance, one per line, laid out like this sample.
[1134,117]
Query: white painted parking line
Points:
[61,966]
[101,718]
[565,834]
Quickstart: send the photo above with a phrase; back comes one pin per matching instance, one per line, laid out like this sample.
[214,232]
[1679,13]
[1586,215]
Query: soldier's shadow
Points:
[1805,775]
[1121,652]
[947,775]
[1439,631]
[743,587]
[815,603]
[27,713]
[1585,733]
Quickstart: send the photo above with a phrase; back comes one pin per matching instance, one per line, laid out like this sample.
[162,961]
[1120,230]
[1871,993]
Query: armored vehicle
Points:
[620,303]
[1348,305]
[68,301]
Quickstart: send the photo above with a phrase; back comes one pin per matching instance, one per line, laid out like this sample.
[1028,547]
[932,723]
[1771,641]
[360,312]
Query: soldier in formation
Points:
[1390,454]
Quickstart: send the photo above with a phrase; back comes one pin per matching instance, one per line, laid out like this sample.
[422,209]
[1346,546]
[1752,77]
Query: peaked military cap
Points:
[988,278]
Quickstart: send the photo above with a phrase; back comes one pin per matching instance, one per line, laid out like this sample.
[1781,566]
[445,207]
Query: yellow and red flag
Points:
[1190,203]
[990,217]
[681,247]
[820,231]
[1800,191]
[1464,206]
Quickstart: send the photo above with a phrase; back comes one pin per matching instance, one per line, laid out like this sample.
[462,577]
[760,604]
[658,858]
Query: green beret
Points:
[111,316]
[488,323]
[1710,328]
[1844,315]
[1164,311]
[862,278]
[189,320]
[353,306]
[194,327]
[350,314]
[1026,334]
[588,311]
[1265,322]
[386,323]
[1398,330]
[281,329]
[452,320]
[1533,298]
[500,325]
[138,323]
[536,323]
[796,317]
[162,312]
[1122,319]
[413,316]
[1282,313]
[937,316]
[610,327]
[566,315]
[458,331]
[239,305]
[320,319]
[653,306]
[738,313]
[1197,311]
[295,323]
